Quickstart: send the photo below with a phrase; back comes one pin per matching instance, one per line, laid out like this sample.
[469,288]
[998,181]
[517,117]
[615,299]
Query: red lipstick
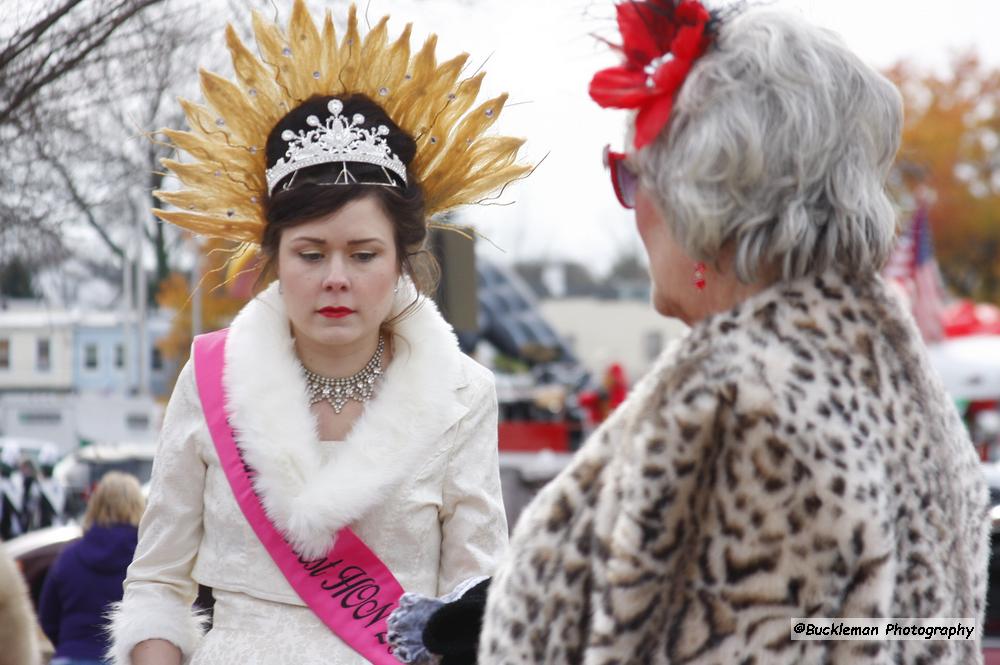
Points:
[335,312]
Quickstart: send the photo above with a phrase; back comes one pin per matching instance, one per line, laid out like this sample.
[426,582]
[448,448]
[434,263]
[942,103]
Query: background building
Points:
[73,378]
[602,332]
[36,350]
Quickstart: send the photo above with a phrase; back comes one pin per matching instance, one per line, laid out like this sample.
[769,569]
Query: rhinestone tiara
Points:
[339,139]
[223,190]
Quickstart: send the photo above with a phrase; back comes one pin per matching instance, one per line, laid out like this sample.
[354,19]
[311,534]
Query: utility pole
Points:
[196,269]
[127,341]
[144,357]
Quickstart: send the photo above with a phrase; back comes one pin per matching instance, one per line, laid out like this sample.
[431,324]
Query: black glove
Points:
[453,630]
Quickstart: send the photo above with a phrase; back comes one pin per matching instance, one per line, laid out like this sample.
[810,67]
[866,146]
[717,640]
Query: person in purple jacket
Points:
[88,575]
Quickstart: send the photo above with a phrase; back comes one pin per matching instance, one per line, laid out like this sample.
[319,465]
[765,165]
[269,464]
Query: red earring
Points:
[699,276]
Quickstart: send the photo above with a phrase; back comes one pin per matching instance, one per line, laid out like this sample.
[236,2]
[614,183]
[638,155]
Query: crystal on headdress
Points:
[335,140]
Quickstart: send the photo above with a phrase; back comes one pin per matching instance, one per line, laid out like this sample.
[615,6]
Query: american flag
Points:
[912,265]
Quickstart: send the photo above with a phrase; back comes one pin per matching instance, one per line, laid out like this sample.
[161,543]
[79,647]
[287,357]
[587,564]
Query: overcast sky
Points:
[542,52]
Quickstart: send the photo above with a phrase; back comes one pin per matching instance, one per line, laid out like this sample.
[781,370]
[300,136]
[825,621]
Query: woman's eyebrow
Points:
[309,239]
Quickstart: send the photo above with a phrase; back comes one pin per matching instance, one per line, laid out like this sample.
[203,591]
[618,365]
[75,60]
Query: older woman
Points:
[794,456]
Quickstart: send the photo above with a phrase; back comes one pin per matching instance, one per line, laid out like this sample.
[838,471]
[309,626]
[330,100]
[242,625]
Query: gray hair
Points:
[780,143]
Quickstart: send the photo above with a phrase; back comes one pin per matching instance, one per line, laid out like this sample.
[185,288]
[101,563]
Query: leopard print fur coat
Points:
[793,457]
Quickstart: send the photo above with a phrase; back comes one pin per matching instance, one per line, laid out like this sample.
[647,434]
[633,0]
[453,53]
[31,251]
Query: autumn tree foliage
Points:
[218,304]
[951,151]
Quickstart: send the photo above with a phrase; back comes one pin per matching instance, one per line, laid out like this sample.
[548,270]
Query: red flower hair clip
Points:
[661,39]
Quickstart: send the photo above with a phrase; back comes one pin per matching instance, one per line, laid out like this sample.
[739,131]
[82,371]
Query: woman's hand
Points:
[156,652]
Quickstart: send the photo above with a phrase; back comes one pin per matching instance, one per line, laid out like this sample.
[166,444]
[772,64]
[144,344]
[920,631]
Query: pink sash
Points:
[349,589]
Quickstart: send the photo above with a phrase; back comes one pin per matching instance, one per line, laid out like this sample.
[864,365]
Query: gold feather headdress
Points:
[224,183]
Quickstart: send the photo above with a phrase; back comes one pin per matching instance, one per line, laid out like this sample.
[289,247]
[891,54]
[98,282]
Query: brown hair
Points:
[116,500]
[308,196]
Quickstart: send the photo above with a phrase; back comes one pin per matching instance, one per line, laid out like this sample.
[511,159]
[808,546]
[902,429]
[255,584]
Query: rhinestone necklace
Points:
[360,387]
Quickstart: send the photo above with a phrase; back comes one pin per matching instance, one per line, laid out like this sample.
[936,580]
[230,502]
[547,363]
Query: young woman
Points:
[333,447]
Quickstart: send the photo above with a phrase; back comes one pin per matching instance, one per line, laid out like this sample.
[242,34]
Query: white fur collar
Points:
[401,426]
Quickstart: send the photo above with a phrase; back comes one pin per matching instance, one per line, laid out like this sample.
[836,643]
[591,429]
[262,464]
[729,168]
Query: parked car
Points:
[80,471]
[36,551]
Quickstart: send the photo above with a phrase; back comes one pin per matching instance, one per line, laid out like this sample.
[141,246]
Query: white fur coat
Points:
[417,478]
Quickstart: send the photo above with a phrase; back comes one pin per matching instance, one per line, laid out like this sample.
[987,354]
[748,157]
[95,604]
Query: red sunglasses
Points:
[623,179]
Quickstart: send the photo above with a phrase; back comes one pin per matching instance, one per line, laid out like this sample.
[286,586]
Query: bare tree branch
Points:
[85,208]
[25,38]
[21,82]
[83,85]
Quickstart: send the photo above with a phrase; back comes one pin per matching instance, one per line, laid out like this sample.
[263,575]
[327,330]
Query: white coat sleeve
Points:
[473,521]
[159,590]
